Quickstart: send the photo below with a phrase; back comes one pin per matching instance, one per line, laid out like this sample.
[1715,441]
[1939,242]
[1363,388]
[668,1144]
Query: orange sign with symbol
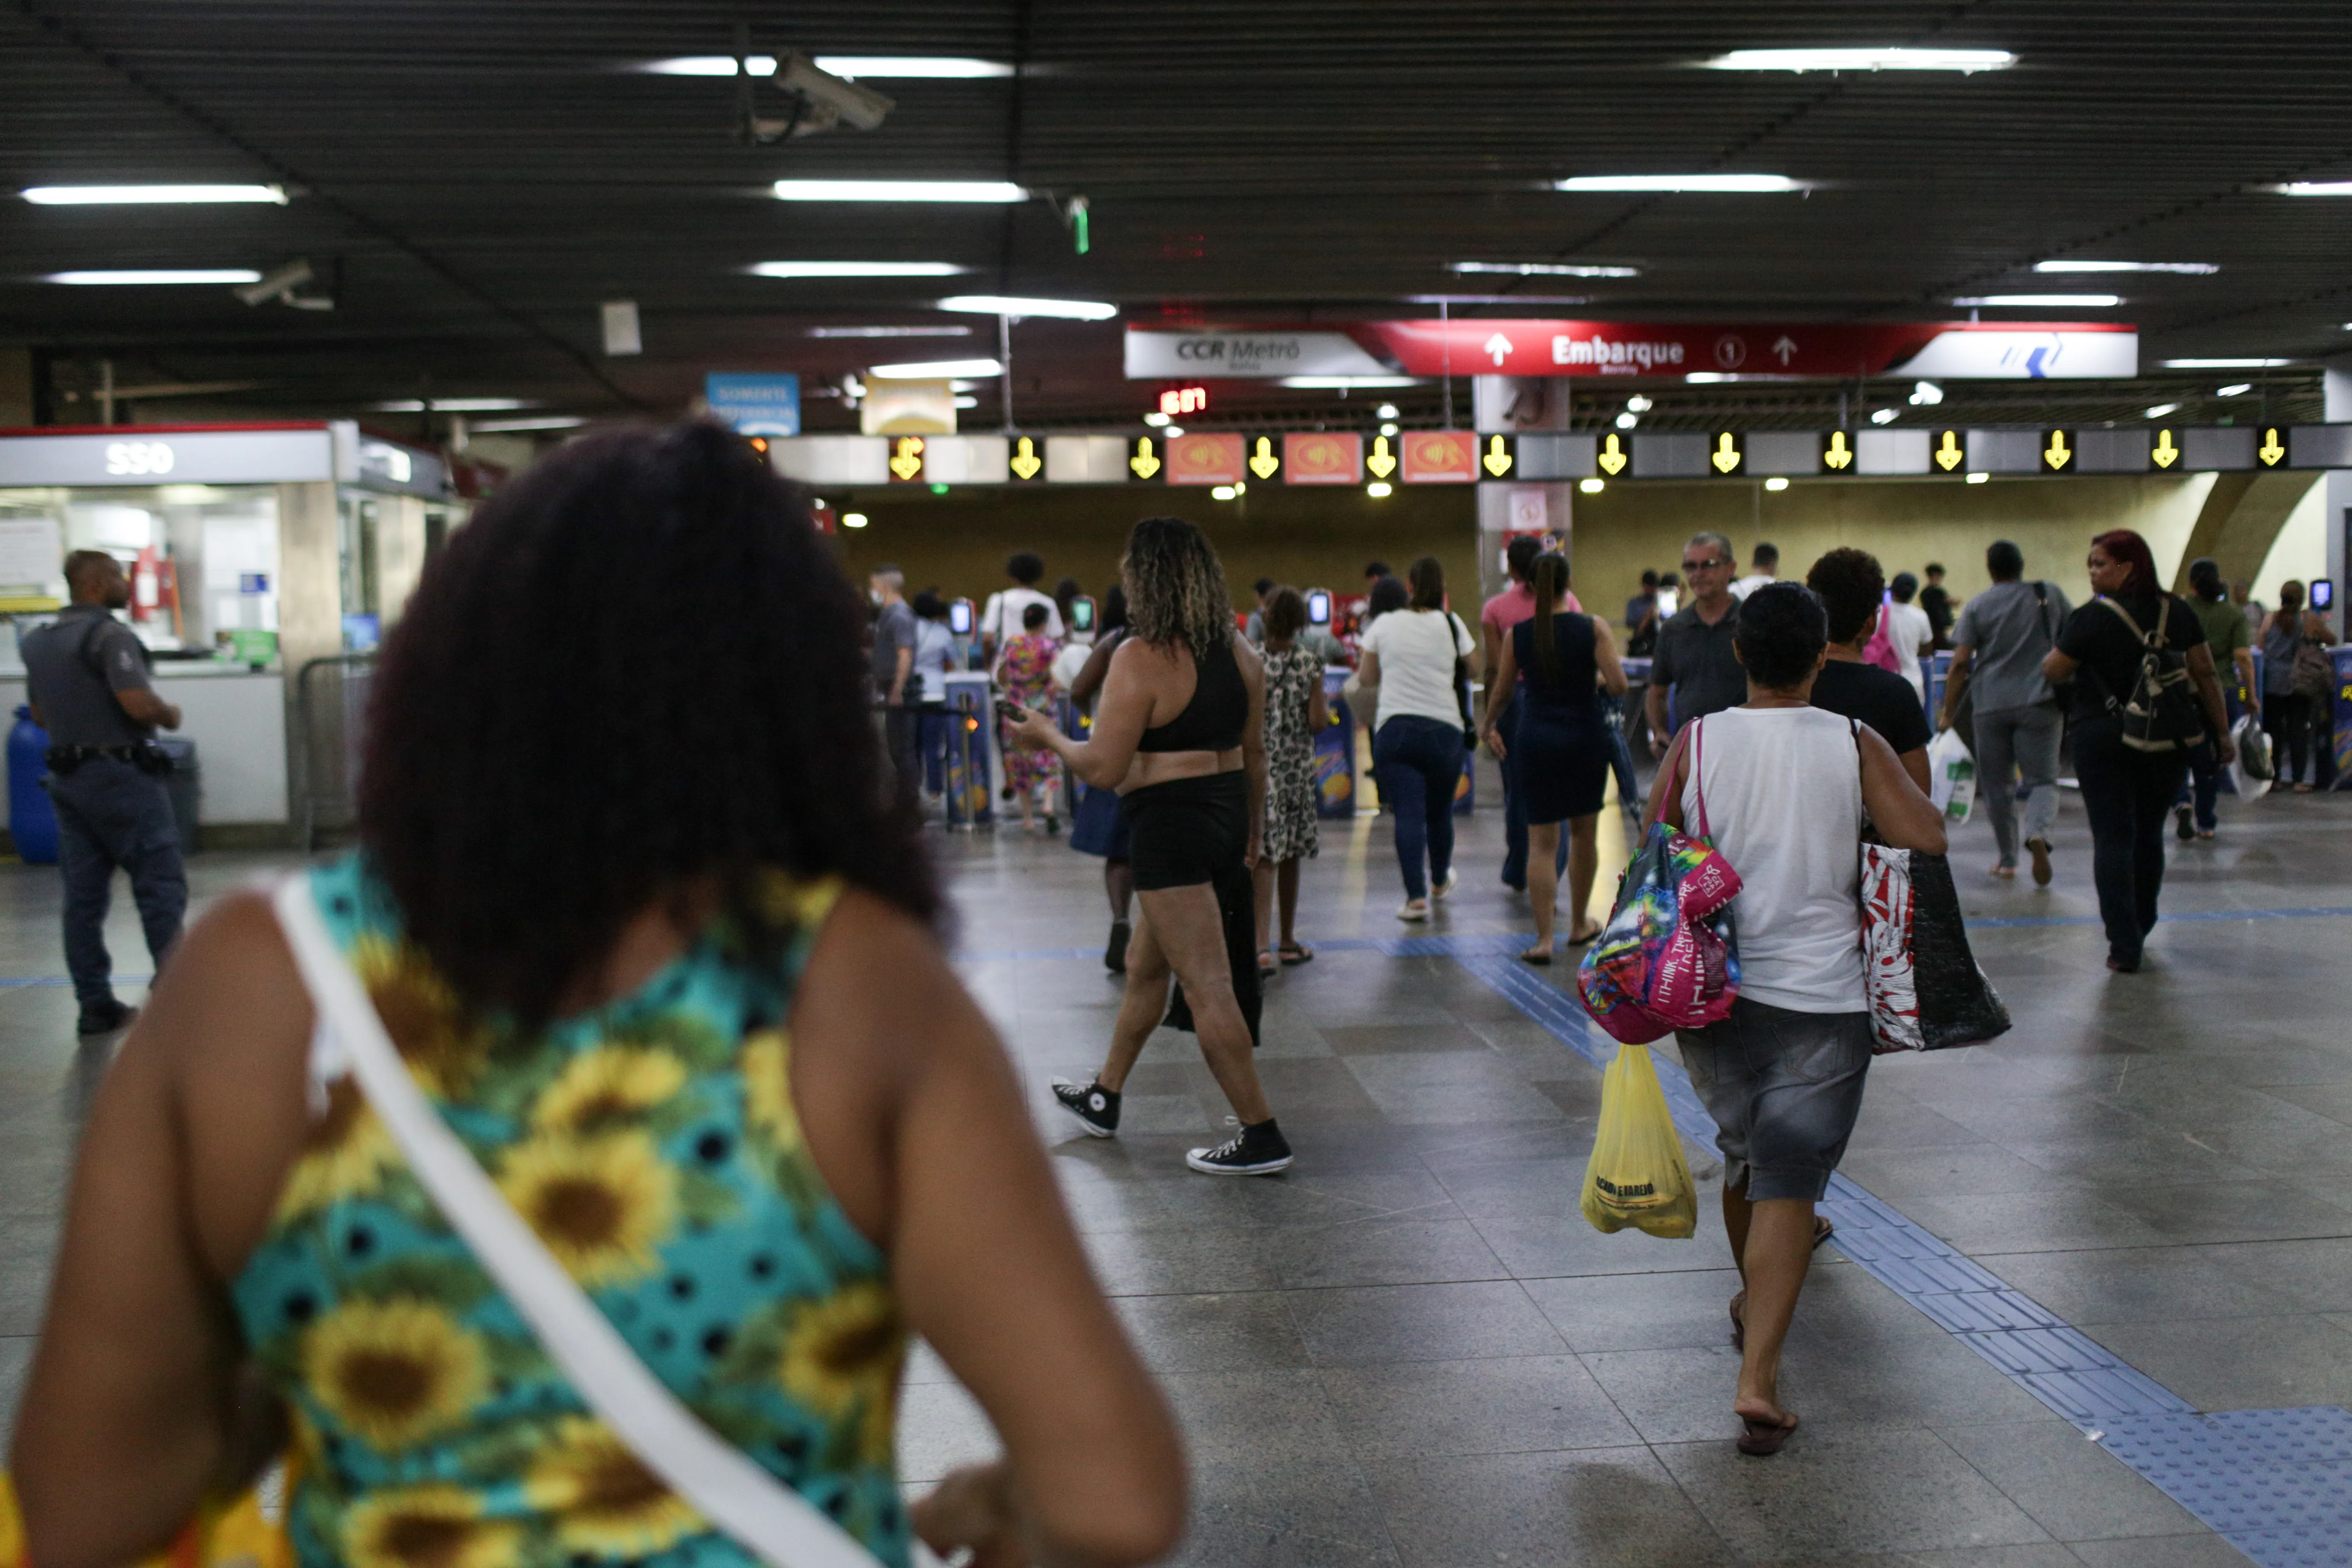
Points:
[1440,456]
[1324,457]
[1205,460]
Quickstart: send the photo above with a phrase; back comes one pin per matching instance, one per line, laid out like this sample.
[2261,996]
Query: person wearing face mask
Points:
[2127,793]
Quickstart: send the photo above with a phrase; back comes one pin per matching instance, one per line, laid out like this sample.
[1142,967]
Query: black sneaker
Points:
[1259,1150]
[106,1020]
[1115,951]
[1096,1108]
[2182,829]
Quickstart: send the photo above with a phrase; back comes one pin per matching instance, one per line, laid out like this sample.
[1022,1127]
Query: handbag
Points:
[1669,958]
[761,1514]
[1924,989]
[2314,671]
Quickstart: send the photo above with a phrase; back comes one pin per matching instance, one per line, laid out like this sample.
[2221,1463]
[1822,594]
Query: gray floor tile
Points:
[2316,1275]
[2260,1363]
[1232,1332]
[1639,1311]
[1383,1252]
[1548,1247]
[1183,1262]
[1853,1491]
[2230,1211]
[2030,1222]
[1605,1508]
[2142,1285]
[1382,1039]
[1283,1513]
[1420,1322]
[1409,1411]
[2069,1485]
[2046,1555]
[1260,1416]
[2204,1550]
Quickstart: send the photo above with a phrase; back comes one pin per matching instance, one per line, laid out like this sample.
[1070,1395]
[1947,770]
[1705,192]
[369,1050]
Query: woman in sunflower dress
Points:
[683,1003]
[1023,672]
[1295,715]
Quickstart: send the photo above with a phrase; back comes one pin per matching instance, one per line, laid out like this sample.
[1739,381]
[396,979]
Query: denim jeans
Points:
[1418,762]
[110,815]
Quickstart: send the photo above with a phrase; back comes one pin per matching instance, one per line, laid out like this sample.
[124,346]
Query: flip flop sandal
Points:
[1738,1323]
[1540,959]
[1822,1231]
[1265,964]
[1591,936]
[1295,952]
[1762,1439]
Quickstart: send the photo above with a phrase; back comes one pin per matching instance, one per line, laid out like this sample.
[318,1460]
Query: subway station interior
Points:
[1995,320]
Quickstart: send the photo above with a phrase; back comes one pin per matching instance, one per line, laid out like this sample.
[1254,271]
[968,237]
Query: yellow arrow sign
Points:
[1612,455]
[907,459]
[1725,456]
[1499,456]
[1949,456]
[2270,451]
[1144,463]
[1382,462]
[1025,461]
[1840,455]
[1262,462]
[2164,454]
[2058,454]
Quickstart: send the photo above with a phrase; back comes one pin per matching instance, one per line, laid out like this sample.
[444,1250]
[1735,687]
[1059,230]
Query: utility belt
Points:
[148,759]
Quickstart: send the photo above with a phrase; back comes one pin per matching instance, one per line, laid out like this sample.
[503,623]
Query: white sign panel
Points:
[138,457]
[2025,354]
[30,552]
[1164,356]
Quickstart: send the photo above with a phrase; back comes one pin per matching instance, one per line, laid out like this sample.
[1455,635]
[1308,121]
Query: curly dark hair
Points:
[1286,612]
[1175,586]
[1780,633]
[1849,583]
[534,778]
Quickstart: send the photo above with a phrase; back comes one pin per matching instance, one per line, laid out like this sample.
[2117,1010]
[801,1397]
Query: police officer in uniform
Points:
[90,690]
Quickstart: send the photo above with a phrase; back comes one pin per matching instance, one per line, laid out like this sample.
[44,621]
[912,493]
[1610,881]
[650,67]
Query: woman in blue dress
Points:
[1548,687]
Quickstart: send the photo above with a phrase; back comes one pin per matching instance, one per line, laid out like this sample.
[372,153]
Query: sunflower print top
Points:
[653,1146]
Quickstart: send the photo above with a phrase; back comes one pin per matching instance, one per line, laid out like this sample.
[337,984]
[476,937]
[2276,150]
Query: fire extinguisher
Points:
[146,585]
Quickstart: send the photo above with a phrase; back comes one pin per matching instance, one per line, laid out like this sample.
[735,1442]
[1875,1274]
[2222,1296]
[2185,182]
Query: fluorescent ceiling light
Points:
[1627,421]
[451,405]
[963,402]
[1977,478]
[998,305]
[940,332]
[1884,416]
[1156,419]
[1591,486]
[1966,62]
[852,65]
[163,275]
[114,196]
[856,268]
[1542,270]
[1385,411]
[2044,301]
[1343,383]
[1776,483]
[2225,364]
[899,191]
[2160,410]
[936,369]
[1638,404]
[1737,185]
[1926,395]
[2186,268]
[2316,188]
[536,422]
[2239,390]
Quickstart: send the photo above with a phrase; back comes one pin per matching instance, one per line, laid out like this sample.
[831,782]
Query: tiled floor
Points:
[1411,1350]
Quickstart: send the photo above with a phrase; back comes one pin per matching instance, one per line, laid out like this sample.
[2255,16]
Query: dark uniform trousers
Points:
[111,814]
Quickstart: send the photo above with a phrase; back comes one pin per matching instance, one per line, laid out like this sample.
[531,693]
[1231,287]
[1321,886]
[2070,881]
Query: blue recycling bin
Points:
[32,819]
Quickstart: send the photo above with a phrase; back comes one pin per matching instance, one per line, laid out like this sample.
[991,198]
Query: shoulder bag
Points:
[2160,715]
[760,1513]
[2060,691]
[2315,672]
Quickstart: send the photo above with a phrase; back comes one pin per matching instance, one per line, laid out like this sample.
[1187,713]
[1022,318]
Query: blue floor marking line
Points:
[2275,1484]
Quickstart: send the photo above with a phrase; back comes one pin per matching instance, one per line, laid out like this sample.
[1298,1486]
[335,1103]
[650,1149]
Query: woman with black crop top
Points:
[1180,732]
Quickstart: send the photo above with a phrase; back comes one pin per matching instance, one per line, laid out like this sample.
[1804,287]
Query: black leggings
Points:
[2126,795]
[2286,719]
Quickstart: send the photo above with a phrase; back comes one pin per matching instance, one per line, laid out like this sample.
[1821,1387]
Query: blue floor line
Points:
[2275,1484]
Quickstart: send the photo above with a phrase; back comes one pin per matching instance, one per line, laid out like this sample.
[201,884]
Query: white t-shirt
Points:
[1417,650]
[934,657]
[1002,617]
[1783,791]
[1742,587]
[1907,626]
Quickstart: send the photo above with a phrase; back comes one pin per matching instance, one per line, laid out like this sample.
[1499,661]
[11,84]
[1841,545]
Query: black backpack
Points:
[2161,713]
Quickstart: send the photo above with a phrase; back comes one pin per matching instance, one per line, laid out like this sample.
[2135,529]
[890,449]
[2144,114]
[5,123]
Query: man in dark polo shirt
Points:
[1694,665]
[90,690]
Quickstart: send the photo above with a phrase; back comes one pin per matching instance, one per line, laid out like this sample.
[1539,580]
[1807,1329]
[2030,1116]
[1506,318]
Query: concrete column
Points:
[1507,509]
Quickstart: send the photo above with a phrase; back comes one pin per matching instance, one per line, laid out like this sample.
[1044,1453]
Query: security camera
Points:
[829,99]
[277,283]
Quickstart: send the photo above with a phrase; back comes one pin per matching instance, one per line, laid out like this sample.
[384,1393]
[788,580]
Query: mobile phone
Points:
[1011,712]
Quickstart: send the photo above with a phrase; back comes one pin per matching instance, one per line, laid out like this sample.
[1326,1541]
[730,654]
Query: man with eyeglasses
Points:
[1694,665]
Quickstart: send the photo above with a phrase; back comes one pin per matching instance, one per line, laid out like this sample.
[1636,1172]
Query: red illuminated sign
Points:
[1184,400]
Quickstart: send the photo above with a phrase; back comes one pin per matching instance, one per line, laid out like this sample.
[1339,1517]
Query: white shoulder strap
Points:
[758,1511]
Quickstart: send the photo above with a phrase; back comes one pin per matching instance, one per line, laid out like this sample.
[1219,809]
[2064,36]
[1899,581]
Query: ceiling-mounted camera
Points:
[820,101]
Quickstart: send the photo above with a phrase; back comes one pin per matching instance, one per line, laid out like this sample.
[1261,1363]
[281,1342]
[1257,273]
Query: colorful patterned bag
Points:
[1668,958]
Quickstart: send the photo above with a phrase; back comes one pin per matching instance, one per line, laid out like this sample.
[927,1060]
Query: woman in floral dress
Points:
[1295,715]
[1022,672]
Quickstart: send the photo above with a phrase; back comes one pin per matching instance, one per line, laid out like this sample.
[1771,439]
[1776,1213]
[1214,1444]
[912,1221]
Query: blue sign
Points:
[755,405]
[253,582]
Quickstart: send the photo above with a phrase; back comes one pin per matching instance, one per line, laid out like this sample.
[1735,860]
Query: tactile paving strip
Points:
[2275,1484]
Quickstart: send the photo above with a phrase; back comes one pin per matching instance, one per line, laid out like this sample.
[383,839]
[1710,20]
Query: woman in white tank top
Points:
[1786,789]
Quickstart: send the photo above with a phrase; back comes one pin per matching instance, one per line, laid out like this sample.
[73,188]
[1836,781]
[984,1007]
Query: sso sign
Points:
[755,405]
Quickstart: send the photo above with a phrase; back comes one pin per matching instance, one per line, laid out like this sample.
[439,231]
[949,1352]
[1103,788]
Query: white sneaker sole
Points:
[1072,1112]
[1439,894]
[1410,913]
[1211,1168]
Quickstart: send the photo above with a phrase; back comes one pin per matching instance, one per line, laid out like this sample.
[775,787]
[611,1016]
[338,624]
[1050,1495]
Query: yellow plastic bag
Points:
[245,1532]
[1637,1175]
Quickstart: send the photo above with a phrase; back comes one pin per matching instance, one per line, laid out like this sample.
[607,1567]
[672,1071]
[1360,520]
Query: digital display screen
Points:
[1318,608]
[2323,593]
[960,617]
[1082,614]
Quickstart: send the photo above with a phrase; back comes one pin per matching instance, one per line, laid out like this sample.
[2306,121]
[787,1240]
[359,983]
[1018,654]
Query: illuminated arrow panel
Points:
[1726,452]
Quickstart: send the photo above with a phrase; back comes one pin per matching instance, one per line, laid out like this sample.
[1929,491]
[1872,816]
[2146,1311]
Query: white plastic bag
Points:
[2245,781]
[1951,776]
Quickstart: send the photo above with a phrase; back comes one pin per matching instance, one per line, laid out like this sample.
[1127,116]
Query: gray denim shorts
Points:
[1784,1090]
